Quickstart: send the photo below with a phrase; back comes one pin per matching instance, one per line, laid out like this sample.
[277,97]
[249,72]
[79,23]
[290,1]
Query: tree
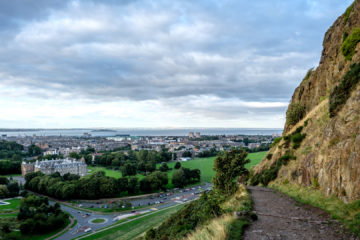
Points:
[123,184]
[246,141]
[4,180]
[228,166]
[133,185]
[177,165]
[34,150]
[179,178]
[128,169]
[13,189]
[74,155]
[186,154]
[4,192]
[150,166]
[164,167]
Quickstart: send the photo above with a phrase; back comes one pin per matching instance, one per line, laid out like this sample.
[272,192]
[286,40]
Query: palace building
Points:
[62,166]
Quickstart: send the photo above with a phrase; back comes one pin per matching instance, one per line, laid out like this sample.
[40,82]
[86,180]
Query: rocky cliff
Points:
[320,146]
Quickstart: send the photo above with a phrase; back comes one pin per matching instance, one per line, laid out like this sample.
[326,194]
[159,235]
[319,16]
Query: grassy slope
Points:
[226,226]
[204,164]
[135,228]
[349,214]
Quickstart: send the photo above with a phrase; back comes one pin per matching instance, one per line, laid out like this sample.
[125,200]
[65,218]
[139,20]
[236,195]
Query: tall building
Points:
[62,166]
[197,134]
[191,135]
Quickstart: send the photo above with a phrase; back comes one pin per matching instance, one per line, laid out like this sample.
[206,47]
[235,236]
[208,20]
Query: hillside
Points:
[320,146]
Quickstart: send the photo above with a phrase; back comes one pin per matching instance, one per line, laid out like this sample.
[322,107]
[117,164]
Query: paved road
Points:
[84,218]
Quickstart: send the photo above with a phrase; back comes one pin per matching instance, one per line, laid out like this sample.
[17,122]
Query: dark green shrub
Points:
[271,174]
[296,139]
[295,112]
[349,44]
[269,156]
[306,123]
[341,93]
[276,141]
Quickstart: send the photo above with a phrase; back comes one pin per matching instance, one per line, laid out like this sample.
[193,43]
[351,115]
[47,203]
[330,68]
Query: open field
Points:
[204,164]
[134,228]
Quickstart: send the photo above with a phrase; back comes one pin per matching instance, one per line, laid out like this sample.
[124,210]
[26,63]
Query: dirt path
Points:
[280,217]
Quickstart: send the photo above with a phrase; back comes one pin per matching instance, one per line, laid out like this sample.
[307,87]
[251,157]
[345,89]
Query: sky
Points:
[156,63]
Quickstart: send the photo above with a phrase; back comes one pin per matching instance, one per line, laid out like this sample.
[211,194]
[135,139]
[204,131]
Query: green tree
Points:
[177,165]
[179,178]
[34,150]
[228,166]
[74,155]
[164,167]
[133,185]
[129,169]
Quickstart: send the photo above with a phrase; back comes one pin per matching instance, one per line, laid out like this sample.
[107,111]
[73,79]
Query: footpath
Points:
[280,217]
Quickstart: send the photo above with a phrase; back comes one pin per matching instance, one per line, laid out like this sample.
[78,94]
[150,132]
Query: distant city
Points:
[138,131]
[191,145]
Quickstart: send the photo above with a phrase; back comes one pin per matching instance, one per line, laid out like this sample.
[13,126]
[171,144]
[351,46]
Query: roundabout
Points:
[98,221]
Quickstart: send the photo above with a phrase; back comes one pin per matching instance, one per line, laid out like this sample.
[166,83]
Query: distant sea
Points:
[139,132]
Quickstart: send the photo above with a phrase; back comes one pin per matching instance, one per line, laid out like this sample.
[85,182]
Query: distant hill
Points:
[320,146]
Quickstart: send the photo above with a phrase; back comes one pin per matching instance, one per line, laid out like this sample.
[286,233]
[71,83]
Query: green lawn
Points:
[204,164]
[14,205]
[131,230]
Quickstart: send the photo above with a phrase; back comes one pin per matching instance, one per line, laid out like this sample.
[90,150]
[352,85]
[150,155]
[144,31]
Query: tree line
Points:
[11,155]
[8,188]
[95,186]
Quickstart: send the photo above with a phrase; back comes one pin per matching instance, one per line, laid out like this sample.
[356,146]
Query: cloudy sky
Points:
[156,63]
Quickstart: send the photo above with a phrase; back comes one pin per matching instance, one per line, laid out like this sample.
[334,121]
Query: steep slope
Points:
[320,146]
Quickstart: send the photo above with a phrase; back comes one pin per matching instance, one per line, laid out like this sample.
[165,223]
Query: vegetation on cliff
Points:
[295,112]
[349,43]
[342,92]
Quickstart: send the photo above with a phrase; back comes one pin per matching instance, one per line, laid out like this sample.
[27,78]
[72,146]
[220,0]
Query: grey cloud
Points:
[141,50]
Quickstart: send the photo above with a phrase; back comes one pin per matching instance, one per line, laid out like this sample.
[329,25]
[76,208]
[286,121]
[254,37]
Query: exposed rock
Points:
[329,156]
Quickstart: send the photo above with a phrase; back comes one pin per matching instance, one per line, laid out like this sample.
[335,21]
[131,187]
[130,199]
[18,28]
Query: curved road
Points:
[84,218]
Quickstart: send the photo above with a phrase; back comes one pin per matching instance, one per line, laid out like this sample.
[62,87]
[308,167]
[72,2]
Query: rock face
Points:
[329,156]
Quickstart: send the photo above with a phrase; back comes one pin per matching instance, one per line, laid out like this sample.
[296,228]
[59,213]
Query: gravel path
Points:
[280,217]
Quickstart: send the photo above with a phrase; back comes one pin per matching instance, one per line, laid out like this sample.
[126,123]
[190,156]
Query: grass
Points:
[130,230]
[98,220]
[14,205]
[226,226]
[204,164]
[347,213]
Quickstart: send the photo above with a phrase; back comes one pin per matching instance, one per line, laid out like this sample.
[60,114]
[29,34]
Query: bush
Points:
[296,139]
[177,165]
[188,218]
[269,156]
[276,141]
[270,174]
[349,44]
[295,113]
[341,93]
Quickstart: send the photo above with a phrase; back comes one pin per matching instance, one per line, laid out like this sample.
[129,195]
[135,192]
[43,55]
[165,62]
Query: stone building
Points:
[61,166]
